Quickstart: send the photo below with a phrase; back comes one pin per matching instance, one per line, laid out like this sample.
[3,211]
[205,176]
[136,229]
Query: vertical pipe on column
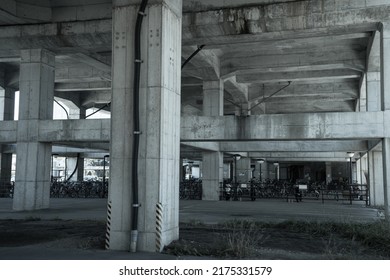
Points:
[136,122]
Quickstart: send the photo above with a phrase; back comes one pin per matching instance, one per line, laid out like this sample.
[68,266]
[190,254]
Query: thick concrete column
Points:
[373,91]
[376,178]
[212,175]
[243,170]
[7,103]
[77,113]
[36,81]
[372,77]
[328,171]
[213,98]
[212,162]
[385,95]
[80,169]
[158,169]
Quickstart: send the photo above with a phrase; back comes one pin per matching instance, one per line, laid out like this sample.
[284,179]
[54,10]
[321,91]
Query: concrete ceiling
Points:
[268,65]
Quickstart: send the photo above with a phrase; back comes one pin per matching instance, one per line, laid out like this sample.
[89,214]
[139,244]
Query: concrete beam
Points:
[93,34]
[91,61]
[275,20]
[18,12]
[96,130]
[362,125]
[203,146]
[306,76]
[295,146]
[88,86]
[8,131]
[290,62]
[300,155]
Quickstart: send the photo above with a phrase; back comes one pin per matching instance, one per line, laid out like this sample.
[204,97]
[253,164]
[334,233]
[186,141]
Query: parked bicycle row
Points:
[190,189]
[79,189]
[298,191]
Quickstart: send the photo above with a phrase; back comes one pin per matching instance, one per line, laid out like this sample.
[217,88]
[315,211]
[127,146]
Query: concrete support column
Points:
[213,98]
[36,80]
[7,103]
[328,171]
[376,178]
[77,113]
[212,175]
[385,95]
[80,169]
[158,168]
[212,170]
[373,86]
[243,170]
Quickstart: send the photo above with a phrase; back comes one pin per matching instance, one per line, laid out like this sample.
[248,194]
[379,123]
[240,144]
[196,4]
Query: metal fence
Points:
[277,189]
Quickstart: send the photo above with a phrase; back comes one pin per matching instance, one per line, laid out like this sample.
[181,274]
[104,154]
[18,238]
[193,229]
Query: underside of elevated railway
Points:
[288,90]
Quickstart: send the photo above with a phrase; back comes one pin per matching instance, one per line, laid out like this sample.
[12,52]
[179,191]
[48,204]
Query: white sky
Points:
[59,113]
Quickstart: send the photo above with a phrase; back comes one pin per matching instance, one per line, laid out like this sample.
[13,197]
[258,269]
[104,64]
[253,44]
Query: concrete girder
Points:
[355,41]
[279,17]
[86,35]
[309,106]
[302,76]
[96,130]
[204,146]
[88,86]
[78,72]
[231,65]
[91,61]
[257,92]
[91,98]
[17,12]
[8,131]
[362,125]
[295,146]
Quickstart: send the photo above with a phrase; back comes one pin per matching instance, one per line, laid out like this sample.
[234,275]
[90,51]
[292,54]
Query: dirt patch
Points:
[52,233]
[222,242]
[270,242]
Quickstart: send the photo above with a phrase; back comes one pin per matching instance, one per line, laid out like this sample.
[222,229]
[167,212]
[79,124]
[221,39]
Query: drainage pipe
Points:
[136,124]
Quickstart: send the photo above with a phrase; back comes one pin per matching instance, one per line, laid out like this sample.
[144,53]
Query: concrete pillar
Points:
[212,171]
[158,168]
[36,82]
[376,178]
[372,77]
[80,169]
[328,171]
[71,163]
[373,91]
[77,113]
[212,175]
[7,103]
[243,170]
[213,98]
[385,95]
